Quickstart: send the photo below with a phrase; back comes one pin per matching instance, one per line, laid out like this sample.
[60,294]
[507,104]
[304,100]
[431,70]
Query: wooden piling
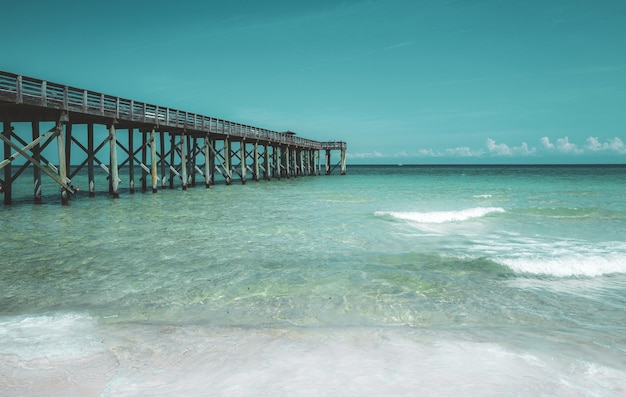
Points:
[114,172]
[62,162]
[327,162]
[6,184]
[162,161]
[153,161]
[207,164]
[172,153]
[90,160]
[255,174]
[227,161]
[37,156]
[266,163]
[131,162]
[183,160]
[242,155]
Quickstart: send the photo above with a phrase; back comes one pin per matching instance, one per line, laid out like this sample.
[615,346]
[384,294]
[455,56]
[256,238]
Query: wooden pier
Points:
[166,144]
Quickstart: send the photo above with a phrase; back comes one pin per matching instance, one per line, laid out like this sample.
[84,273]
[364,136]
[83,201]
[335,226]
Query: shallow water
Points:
[389,280]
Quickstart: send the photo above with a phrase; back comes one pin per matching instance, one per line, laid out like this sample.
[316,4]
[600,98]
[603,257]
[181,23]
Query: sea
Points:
[386,281]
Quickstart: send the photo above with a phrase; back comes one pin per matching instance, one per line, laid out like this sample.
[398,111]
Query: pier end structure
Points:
[189,144]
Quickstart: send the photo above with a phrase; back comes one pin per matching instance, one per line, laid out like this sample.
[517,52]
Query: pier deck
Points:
[189,144]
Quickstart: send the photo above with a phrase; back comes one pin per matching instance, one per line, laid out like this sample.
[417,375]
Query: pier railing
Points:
[20,89]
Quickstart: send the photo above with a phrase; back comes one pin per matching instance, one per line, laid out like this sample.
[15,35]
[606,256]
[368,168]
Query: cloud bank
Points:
[492,149]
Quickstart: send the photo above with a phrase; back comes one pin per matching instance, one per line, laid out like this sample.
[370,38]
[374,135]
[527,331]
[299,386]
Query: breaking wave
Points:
[441,216]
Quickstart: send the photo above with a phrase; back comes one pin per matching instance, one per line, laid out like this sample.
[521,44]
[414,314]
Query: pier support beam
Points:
[327,162]
[172,154]
[255,175]
[62,161]
[162,159]
[319,162]
[277,161]
[242,155]
[37,157]
[144,159]
[68,148]
[5,186]
[211,160]
[131,162]
[183,160]
[90,160]
[227,161]
[343,161]
[267,165]
[114,175]
[153,161]
[207,163]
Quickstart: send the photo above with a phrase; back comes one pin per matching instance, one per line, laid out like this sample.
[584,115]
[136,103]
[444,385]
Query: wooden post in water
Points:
[343,161]
[62,161]
[131,162]
[162,159]
[153,161]
[183,159]
[242,155]
[287,170]
[114,174]
[6,184]
[144,159]
[193,166]
[172,153]
[267,164]
[227,160]
[37,156]
[207,164]
[319,162]
[278,161]
[211,160]
[68,146]
[327,162]
[256,161]
[90,156]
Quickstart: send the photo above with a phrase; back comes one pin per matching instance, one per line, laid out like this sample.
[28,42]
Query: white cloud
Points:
[613,145]
[463,152]
[565,146]
[525,150]
[428,153]
[401,154]
[502,149]
[562,145]
[545,141]
[495,149]
[374,155]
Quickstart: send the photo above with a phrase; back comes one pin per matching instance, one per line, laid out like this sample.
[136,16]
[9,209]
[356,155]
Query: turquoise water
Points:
[446,280]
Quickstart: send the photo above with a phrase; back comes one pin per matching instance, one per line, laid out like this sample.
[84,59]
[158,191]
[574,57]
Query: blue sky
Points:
[402,81]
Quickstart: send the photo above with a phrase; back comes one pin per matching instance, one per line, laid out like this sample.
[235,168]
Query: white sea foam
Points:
[558,258]
[55,336]
[196,361]
[442,216]
[572,264]
[334,362]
